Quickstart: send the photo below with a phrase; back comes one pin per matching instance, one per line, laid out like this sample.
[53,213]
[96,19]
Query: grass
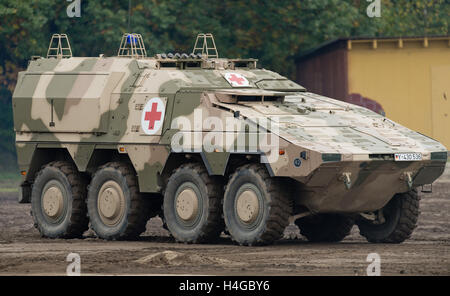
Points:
[9,181]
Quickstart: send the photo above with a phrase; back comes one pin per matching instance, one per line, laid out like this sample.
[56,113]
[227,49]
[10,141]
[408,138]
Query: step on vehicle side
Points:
[209,144]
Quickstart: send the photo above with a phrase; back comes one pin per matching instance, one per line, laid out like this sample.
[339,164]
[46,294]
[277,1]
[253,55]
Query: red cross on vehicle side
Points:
[152,116]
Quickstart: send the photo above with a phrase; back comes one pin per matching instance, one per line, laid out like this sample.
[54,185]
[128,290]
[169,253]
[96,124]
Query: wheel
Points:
[116,208]
[256,207]
[58,201]
[191,205]
[325,227]
[399,216]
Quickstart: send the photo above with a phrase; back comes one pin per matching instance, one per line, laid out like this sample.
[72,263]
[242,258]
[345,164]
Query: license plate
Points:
[408,156]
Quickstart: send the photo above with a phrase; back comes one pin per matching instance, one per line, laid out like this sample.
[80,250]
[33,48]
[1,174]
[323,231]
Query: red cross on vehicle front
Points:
[236,80]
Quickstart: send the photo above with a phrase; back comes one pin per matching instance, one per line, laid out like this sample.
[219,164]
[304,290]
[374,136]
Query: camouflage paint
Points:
[97,104]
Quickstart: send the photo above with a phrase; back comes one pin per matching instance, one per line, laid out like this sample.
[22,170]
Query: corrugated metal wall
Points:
[325,71]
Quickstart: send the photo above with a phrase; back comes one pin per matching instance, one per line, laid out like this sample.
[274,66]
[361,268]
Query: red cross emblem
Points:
[153,116]
[236,79]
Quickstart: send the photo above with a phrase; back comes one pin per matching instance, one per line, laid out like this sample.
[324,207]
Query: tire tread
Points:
[79,221]
[280,205]
[214,225]
[409,214]
[138,213]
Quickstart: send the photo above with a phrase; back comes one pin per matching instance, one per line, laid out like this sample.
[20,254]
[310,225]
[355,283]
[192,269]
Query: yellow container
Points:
[408,77]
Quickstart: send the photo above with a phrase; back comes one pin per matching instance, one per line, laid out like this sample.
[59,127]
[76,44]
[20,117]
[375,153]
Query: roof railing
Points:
[59,47]
[132,46]
[208,48]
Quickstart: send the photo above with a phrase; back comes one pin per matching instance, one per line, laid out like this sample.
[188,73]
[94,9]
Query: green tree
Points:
[272,31]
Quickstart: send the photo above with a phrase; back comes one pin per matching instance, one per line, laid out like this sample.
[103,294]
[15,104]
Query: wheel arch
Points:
[227,163]
[40,157]
[32,158]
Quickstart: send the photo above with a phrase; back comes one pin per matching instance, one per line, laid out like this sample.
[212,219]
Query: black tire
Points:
[273,203]
[72,222]
[131,222]
[401,214]
[325,227]
[205,224]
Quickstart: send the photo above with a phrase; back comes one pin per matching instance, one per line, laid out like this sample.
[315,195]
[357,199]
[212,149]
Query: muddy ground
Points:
[24,252]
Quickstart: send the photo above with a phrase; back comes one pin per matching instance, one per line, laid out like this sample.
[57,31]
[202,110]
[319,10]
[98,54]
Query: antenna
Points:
[129,15]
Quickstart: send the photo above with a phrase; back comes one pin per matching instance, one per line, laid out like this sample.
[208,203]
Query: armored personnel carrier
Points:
[210,145]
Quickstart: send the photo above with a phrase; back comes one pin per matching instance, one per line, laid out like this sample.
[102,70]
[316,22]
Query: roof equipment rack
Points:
[205,49]
[132,46]
[59,47]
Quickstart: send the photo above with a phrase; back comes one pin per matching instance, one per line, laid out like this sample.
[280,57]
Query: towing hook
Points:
[345,177]
[407,177]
